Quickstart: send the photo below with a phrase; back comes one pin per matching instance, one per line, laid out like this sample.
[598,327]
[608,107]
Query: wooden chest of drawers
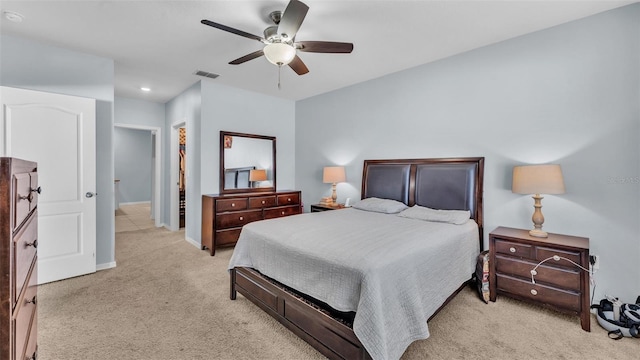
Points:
[558,283]
[18,258]
[224,215]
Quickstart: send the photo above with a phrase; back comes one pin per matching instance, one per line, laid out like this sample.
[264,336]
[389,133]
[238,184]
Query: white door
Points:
[58,132]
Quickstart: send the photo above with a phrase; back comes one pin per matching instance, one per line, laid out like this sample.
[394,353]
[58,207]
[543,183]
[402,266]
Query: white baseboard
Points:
[105,266]
[193,242]
[134,203]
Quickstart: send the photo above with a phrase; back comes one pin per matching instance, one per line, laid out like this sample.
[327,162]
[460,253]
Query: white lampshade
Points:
[257,175]
[279,53]
[538,179]
[333,174]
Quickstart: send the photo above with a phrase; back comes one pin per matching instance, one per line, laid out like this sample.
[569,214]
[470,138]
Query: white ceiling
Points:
[160,44]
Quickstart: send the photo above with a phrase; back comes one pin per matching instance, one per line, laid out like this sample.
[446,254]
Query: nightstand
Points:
[320,207]
[559,284]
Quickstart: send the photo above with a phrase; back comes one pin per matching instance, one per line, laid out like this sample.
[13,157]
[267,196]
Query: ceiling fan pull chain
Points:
[279,68]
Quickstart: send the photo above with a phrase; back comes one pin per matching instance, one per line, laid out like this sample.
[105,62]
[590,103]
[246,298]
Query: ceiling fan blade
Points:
[298,66]
[292,18]
[325,47]
[232,30]
[247,57]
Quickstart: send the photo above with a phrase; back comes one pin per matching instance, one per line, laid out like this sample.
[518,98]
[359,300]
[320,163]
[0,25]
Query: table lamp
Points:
[536,180]
[333,175]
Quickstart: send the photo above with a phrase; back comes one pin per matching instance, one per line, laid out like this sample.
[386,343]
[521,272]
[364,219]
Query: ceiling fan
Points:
[279,39]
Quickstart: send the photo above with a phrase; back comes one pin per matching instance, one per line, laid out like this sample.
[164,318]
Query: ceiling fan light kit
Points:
[279,53]
[280,46]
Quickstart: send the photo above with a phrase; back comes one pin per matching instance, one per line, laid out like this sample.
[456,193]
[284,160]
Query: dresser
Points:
[560,284]
[224,215]
[18,258]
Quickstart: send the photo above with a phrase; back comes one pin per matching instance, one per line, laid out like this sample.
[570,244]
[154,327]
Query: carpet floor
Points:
[166,299]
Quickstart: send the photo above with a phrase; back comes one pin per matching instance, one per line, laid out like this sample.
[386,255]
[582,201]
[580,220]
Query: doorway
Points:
[179,177]
[155,207]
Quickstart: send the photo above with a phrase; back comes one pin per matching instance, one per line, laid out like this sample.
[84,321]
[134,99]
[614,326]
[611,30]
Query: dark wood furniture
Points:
[18,258]
[437,183]
[224,215]
[559,283]
[320,207]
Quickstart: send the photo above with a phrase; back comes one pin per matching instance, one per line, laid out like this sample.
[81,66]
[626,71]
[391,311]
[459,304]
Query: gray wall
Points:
[27,64]
[567,95]
[133,159]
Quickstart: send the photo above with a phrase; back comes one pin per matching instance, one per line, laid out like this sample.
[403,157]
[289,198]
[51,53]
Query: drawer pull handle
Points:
[512,249]
[33,357]
[534,292]
[26,197]
[289,199]
[263,202]
[283,213]
[32,301]
[38,190]
[233,204]
[241,217]
[34,243]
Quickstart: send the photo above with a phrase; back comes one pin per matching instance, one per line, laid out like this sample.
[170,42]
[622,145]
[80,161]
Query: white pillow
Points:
[457,217]
[386,206]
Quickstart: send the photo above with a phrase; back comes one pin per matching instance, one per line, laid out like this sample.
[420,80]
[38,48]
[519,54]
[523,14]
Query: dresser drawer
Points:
[231,204]
[288,199]
[281,211]
[565,278]
[22,203]
[230,236]
[565,299]
[24,251]
[237,219]
[261,202]
[24,314]
[513,248]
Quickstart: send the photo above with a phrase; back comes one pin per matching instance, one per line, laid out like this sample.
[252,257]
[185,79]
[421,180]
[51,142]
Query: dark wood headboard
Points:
[445,184]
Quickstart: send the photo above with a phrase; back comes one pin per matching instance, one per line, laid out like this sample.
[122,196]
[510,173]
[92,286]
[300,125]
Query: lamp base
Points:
[538,233]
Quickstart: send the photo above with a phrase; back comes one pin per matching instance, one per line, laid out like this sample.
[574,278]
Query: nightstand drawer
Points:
[513,248]
[237,219]
[564,299]
[543,253]
[565,278]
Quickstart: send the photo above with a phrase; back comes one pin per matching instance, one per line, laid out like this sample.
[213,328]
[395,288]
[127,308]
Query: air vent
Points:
[206,74]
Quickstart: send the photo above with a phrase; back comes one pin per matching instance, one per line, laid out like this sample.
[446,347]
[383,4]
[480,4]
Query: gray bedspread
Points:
[393,272]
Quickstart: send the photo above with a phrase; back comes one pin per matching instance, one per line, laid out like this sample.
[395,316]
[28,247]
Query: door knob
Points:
[90,194]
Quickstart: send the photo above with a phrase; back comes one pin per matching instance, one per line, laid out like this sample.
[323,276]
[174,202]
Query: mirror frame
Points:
[222,168]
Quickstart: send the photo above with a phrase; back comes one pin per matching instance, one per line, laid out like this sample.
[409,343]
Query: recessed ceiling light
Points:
[145,89]
[13,16]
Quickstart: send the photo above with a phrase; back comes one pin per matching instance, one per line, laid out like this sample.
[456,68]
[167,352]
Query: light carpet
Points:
[166,299]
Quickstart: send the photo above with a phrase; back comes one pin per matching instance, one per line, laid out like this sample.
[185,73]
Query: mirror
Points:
[247,163]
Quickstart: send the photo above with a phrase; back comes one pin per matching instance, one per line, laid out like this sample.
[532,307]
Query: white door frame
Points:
[157,191]
[174,211]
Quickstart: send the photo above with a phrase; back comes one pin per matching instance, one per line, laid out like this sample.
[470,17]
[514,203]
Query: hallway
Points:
[134,217]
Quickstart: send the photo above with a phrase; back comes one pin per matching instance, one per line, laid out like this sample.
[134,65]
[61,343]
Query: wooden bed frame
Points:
[452,183]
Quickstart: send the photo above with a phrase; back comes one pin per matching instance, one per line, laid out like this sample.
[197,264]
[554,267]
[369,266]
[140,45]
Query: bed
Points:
[359,284]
